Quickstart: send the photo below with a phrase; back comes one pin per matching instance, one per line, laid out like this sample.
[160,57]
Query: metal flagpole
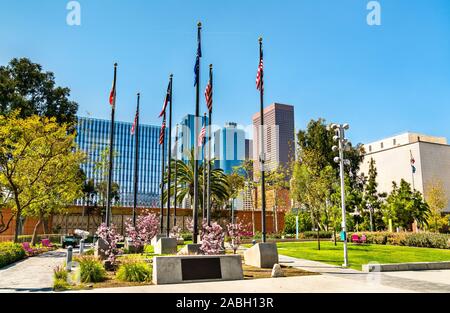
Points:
[175,192]
[205,214]
[169,172]
[262,157]
[208,199]
[111,152]
[197,113]
[136,159]
[162,176]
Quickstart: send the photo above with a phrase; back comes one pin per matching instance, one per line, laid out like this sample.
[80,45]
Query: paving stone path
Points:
[32,274]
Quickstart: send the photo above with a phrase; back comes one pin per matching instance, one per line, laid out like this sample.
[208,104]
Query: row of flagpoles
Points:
[201,136]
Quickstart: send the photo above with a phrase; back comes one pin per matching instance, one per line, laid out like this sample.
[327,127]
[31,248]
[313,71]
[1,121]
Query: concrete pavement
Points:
[32,274]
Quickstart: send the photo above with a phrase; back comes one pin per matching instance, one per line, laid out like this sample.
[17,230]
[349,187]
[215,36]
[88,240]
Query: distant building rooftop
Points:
[401,140]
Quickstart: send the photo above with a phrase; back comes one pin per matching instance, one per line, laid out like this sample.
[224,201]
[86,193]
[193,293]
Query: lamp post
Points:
[342,145]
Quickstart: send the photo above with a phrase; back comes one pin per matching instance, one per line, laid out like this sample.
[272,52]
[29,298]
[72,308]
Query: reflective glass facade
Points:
[93,139]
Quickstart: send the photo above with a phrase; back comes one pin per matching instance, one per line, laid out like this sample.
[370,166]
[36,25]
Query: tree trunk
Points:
[318,237]
[35,230]
[335,239]
[17,231]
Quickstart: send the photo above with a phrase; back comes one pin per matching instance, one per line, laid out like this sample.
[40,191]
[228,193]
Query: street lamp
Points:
[341,147]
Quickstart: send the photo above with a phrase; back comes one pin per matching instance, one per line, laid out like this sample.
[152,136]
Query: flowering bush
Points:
[147,226]
[175,232]
[212,239]
[236,232]
[110,238]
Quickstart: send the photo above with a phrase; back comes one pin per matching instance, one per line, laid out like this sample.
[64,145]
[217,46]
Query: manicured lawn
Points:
[361,254]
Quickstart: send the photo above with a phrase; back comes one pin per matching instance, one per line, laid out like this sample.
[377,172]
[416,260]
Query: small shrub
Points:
[186,236]
[212,239]
[110,236]
[10,253]
[91,270]
[60,285]
[60,272]
[421,240]
[149,249]
[134,271]
[428,240]
[313,235]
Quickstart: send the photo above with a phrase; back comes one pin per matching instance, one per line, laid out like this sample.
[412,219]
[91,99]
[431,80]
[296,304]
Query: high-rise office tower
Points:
[93,138]
[279,137]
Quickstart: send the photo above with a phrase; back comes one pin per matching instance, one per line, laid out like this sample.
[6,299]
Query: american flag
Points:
[413,164]
[162,134]
[209,96]
[112,95]
[166,101]
[201,137]
[133,128]
[260,74]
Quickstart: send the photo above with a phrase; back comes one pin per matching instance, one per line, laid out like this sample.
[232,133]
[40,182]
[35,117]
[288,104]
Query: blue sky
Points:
[320,56]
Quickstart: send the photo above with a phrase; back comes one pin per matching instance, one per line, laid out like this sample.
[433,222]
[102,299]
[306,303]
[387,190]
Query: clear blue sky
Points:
[320,55]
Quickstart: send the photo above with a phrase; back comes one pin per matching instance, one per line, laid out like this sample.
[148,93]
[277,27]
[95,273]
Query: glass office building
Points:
[186,135]
[93,139]
[229,147]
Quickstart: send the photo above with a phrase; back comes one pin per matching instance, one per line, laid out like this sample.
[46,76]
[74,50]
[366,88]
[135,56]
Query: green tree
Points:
[24,86]
[438,201]
[39,165]
[404,206]
[372,200]
[236,184]
[246,170]
[277,181]
[185,182]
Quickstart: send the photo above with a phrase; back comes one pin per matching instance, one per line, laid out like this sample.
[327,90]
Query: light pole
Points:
[342,145]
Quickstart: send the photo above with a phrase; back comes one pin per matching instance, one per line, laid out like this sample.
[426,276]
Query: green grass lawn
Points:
[361,254]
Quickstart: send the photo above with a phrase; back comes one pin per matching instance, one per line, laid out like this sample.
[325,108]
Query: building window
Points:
[395,142]
[382,145]
[370,148]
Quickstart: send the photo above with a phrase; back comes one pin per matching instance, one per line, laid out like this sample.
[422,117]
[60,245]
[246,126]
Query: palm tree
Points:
[185,182]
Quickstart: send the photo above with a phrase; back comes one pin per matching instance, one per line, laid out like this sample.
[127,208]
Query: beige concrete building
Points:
[393,161]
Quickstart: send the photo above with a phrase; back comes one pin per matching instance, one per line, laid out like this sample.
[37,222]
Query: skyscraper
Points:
[186,136]
[279,145]
[92,138]
[229,147]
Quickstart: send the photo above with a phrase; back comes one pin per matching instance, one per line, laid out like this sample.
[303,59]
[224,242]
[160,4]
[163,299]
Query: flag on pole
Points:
[413,164]
[197,61]
[209,96]
[260,74]
[201,137]
[133,128]
[112,95]
[166,101]
[162,134]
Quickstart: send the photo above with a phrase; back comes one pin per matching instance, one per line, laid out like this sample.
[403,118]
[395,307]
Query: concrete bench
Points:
[196,268]
[398,267]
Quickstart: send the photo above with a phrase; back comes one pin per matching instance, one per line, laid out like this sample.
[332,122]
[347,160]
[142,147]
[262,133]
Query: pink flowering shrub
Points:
[175,232]
[147,227]
[110,237]
[212,239]
[236,232]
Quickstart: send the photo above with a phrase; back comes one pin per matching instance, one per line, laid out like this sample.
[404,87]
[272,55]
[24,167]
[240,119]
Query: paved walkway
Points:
[410,281]
[332,279]
[36,275]
[32,274]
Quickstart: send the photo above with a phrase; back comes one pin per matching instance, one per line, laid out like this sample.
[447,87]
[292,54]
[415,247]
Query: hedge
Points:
[421,240]
[10,253]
